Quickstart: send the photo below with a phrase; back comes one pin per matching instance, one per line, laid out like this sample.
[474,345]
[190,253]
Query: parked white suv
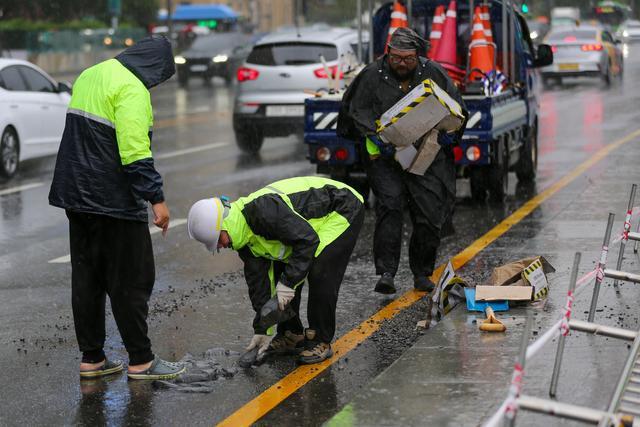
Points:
[280,73]
[33,108]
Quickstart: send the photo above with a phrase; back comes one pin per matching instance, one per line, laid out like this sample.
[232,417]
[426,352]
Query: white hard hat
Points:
[205,221]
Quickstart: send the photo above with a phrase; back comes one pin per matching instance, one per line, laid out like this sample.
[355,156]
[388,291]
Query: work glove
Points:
[386,150]
[446,139]
[261,342]
[285,295]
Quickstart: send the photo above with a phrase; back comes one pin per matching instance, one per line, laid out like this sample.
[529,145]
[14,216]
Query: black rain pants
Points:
[113,257]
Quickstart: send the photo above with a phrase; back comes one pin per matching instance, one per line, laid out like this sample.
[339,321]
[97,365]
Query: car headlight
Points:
[180,60]
[220,58]
[625,33]
[534,35]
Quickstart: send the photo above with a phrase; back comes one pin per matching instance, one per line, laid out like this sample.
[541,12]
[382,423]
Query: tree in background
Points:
[138,12]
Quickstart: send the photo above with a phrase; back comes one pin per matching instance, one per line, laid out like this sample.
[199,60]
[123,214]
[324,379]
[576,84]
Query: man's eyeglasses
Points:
[397,59]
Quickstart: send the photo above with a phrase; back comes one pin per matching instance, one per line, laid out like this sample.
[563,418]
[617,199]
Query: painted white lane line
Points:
[21,188]
[152,230]
[196,149]
[166,155]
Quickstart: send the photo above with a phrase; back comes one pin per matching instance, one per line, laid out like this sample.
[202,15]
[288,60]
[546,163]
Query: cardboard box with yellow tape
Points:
[413,123]
[522,280]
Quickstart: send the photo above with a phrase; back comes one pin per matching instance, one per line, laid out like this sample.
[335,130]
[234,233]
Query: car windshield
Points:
[216,42]
[572,36]
[292,53]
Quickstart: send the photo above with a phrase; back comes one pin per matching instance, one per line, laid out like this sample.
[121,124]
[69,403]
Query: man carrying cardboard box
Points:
[431,196]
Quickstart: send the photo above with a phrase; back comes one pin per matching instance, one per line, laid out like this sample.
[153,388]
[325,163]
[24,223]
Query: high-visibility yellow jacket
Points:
[104,163]
[291,222]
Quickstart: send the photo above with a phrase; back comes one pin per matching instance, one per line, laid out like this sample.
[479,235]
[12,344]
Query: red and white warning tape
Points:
[509,406]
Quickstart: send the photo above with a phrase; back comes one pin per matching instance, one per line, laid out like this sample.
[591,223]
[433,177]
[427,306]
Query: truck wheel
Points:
[249,140]
[528,163]
[478,178]
[9,153]
[499,173]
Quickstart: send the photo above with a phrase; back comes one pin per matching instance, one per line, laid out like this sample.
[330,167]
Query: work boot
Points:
[385,284]
[287,343]
[423,284]
[314,351]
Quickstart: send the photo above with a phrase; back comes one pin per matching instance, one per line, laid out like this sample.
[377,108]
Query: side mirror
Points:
[617,40]
[64,87]
[544,56]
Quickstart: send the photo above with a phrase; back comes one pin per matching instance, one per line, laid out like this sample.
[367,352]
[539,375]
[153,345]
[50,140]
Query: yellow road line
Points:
[274,395]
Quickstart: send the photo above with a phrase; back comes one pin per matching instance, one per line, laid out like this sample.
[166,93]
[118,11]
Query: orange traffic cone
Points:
[488,34]
[398,20]
[486,21]
[479,49]
[448,46]
[447,52]
[436,30]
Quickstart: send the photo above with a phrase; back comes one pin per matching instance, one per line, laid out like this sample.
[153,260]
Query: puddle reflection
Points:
[104,403]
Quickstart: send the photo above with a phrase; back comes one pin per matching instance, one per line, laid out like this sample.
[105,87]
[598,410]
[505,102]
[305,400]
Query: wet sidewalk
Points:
[456,375]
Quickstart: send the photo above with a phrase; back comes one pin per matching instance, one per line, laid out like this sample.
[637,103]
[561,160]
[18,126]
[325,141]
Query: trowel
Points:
[491,323]
[250,358]
[270,314]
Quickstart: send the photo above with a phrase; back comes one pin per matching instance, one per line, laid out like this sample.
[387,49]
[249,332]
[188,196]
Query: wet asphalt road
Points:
[200,302]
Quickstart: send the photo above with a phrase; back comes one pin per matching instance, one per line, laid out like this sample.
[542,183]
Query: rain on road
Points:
[201,303]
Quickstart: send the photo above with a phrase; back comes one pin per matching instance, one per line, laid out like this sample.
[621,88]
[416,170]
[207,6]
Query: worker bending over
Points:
[295,229]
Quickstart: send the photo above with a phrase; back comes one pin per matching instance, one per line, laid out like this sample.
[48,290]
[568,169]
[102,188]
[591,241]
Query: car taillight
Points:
[323,154]
[554,48]
[591,47]
[321,73]
[457,153]
[341,154]
[246,74]
[473,153]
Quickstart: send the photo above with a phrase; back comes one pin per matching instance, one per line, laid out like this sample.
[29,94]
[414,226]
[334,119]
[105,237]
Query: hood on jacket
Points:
[150,60]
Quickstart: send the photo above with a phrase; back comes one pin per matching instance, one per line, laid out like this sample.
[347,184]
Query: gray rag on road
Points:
[201,373]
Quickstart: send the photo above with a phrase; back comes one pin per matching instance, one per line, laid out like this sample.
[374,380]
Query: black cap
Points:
[406,39]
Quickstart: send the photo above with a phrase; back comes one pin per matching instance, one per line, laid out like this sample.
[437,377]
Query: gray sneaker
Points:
[109,367]
[159,370]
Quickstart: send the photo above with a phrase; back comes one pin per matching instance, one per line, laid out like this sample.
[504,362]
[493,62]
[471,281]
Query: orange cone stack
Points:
[448,46]
[479,49]
[398,20]
[486,21]
[436,30]
[447,52]
[488,34]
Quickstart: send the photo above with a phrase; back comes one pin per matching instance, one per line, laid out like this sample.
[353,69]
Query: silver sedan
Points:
[583,51]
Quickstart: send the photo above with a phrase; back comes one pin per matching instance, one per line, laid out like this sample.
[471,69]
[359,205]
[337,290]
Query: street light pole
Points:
[170,20]
[359,13]
[371,37]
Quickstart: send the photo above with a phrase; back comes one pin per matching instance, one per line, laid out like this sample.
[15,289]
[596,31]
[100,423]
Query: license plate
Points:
[198,68]
[285,110]
[568,67]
